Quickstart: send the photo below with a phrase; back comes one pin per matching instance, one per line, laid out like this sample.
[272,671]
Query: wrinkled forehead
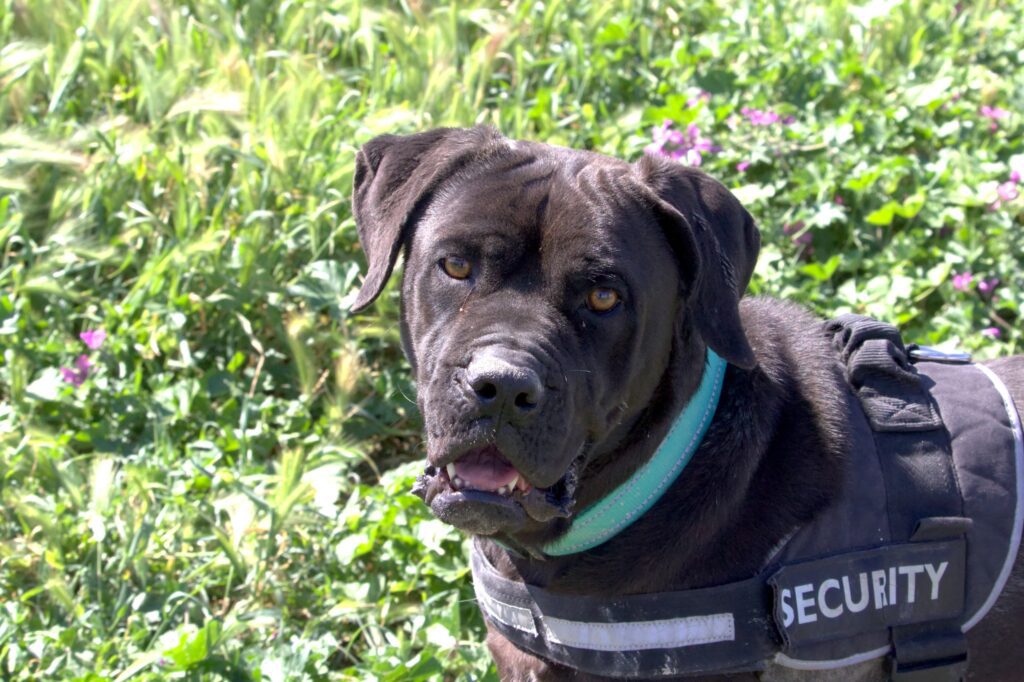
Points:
[575,206]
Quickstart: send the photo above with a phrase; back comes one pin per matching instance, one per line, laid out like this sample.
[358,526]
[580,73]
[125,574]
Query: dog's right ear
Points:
[395,177]
[717,243]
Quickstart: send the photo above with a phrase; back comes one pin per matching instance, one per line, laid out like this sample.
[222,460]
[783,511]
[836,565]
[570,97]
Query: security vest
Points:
[913,553]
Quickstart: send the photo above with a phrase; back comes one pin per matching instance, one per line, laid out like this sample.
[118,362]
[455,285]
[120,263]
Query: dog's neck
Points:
[632,442]
[721,518]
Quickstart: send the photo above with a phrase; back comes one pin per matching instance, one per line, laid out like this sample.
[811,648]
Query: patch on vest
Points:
[869,591]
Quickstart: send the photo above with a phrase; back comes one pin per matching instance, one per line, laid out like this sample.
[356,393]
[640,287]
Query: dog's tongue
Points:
[485,469]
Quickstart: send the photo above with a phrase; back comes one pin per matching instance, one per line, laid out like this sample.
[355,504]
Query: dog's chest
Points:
[910,556]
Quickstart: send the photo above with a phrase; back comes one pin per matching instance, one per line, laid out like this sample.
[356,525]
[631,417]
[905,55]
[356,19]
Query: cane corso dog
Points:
[557,306]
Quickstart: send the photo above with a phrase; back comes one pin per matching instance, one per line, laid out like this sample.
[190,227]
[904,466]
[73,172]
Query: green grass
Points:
[226,495]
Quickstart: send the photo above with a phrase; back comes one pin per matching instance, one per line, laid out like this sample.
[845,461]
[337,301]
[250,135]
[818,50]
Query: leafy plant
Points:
[216,486]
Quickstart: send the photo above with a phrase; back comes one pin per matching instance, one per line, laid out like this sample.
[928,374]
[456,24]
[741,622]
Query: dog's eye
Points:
[456,268]
[602,299]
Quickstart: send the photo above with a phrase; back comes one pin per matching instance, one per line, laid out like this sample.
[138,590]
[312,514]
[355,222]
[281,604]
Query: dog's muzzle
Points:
[481,492]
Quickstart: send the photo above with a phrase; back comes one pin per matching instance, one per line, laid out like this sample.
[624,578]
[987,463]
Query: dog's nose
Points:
[503,386]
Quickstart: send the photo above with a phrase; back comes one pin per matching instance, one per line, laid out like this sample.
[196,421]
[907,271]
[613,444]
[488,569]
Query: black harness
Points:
[912,555]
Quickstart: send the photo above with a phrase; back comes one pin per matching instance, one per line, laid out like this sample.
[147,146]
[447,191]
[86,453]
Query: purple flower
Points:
[1007,191]
[758,117]
[80,373]
[678,145]
[962,281]
[93,338]
[742,166]
[993,113]
[1015,177]
[991,332]
[662,136]
[800,237]
[694,139]
[988,284]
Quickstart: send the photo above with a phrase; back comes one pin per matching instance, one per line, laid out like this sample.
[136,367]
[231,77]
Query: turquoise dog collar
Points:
[608,516]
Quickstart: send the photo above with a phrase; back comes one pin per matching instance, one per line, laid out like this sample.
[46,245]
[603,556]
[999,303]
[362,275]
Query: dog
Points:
[558,310]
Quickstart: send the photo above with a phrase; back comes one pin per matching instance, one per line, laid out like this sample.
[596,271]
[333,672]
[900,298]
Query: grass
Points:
[225,494]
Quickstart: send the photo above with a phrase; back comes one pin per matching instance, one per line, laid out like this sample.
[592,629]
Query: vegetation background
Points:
[205,463]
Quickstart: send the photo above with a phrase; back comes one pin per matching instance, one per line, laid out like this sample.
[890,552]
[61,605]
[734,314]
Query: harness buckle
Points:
[926,653]
[947,670]
[920,353]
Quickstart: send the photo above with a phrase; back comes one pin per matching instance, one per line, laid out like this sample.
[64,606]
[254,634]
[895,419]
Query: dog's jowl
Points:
[664,479]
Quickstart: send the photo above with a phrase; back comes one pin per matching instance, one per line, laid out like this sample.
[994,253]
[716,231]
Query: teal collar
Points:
[605,518]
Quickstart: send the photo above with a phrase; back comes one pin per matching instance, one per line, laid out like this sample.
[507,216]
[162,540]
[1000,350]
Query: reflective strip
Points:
[513,616]
[641,635]
[1018,516]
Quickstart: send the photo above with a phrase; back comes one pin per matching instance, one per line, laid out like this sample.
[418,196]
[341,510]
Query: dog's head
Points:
[545,293]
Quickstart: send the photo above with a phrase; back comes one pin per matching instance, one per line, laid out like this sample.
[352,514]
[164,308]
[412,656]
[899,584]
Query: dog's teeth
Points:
[511,485]
[456,482]
[451,471]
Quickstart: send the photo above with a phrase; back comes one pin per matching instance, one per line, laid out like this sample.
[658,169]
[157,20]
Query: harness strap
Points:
[720,629]
[739,626]
[923,498]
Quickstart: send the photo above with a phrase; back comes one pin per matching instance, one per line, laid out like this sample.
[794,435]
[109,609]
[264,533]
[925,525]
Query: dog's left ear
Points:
[716,242]
[395,177]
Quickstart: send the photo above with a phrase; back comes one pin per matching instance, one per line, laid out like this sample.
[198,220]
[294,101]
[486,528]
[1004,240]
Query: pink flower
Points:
[991,332]
[838,200]
[993,113]
[742,166]
[703,96]
[680,146]
[93,338]
[80,373]
[962,281]
[1017,169]
[794,230]
[758,117]
[694,139]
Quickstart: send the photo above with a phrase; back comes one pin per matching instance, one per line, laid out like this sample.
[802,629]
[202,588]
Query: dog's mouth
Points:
[482,492]
[486,470]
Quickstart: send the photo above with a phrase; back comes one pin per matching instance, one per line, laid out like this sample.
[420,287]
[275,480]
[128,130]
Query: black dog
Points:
[558,310]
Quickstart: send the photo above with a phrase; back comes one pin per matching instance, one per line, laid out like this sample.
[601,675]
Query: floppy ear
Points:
[716,242]
[394,179]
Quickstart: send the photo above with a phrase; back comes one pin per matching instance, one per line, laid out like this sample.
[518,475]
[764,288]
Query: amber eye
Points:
[456,268]
[601,299]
